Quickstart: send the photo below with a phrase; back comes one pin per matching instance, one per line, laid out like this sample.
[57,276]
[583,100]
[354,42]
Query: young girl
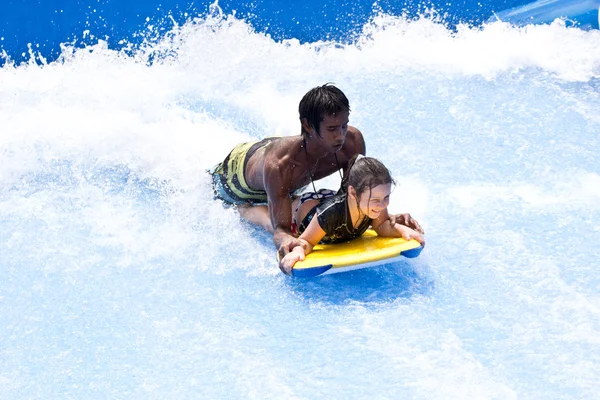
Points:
[327,217]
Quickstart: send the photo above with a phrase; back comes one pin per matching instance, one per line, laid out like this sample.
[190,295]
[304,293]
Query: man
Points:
[260,177]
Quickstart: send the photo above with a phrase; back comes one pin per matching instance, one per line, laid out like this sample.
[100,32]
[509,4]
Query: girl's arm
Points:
[309,238]
[384,227]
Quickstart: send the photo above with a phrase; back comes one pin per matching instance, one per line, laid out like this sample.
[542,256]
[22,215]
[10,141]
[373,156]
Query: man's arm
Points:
[361,147]
[355,144]
[280,211]
[385,226]
[277,180]
[406,220]
[310,237]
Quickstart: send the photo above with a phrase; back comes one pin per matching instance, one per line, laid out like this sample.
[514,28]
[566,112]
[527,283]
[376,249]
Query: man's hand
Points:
[409,233]
[287,243]
[287,263]
[406,220]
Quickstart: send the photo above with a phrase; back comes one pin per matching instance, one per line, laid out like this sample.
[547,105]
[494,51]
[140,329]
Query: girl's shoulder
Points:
[331,213]
[333,204]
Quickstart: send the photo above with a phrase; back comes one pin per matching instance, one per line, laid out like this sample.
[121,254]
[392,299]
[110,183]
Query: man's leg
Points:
[258,215]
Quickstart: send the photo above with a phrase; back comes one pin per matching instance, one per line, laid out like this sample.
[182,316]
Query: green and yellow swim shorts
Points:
[229,182]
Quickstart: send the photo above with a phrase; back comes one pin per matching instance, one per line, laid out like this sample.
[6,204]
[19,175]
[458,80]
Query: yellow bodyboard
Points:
[366,251]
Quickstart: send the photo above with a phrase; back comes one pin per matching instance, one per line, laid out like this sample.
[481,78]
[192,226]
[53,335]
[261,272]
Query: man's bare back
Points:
[297,165]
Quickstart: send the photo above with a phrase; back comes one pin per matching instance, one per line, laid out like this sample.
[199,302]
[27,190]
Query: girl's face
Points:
[372,205]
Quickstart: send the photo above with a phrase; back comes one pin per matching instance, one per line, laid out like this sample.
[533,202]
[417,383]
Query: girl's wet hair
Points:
[321,101]
[364,173]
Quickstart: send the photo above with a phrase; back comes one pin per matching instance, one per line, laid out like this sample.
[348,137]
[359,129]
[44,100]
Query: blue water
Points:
[40,27]
[120,277]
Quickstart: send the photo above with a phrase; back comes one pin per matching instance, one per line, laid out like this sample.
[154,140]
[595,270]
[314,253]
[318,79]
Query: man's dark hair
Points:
[321,101]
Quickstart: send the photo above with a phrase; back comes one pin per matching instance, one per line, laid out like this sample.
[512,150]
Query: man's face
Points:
[333,131]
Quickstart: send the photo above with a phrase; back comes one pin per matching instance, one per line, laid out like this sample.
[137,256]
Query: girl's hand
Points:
[287,262]
[409,233]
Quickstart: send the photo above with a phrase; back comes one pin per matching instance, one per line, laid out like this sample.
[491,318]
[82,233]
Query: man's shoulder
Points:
[283,147]
[354,130]
[355,133]
[282,152]
[355,143]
